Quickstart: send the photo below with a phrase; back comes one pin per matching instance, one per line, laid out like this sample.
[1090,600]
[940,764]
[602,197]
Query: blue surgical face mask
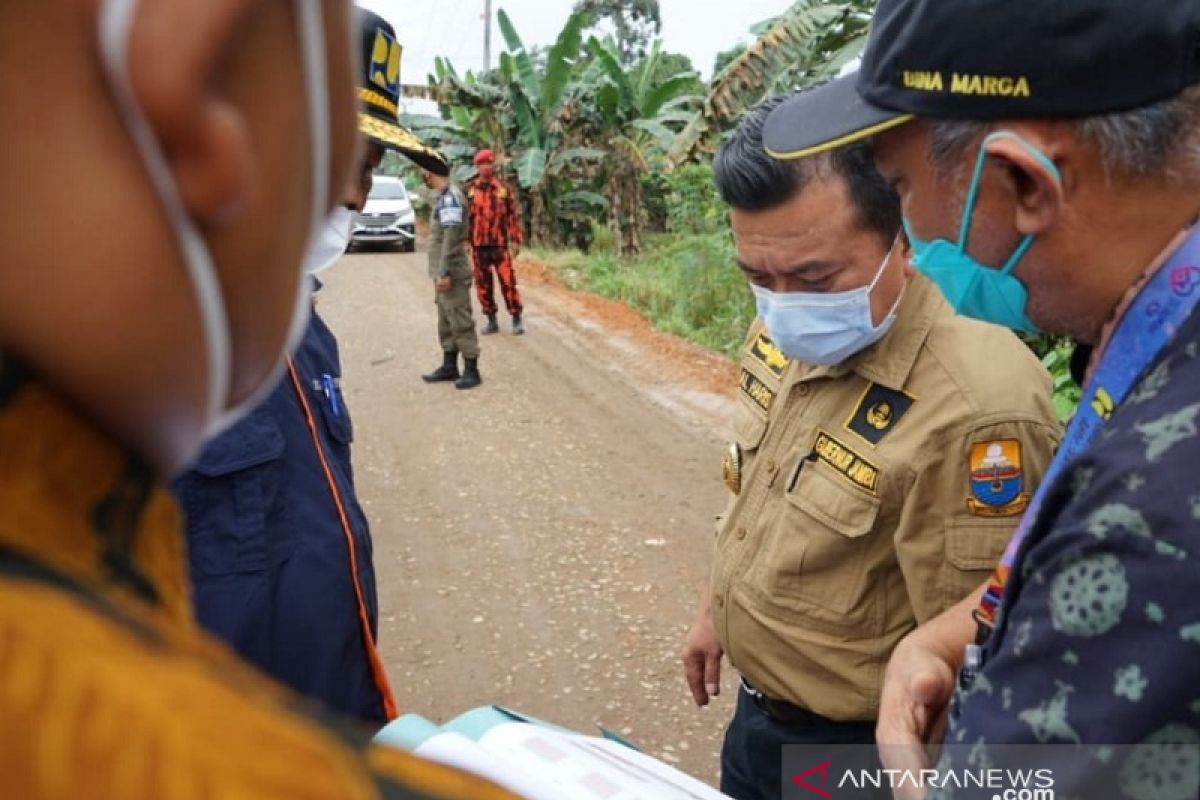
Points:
[823,328]
[975,289]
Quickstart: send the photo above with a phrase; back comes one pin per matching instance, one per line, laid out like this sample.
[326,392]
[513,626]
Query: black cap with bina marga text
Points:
[998,59]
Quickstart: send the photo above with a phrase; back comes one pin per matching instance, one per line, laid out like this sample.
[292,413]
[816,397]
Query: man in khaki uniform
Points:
[885,449]
[451,273]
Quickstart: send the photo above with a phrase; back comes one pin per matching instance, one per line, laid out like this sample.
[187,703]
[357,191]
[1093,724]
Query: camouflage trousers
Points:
[496,259]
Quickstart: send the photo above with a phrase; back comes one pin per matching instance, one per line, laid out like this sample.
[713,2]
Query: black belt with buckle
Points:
[782,710]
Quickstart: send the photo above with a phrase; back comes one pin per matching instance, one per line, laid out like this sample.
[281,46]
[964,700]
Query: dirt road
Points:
[539,541]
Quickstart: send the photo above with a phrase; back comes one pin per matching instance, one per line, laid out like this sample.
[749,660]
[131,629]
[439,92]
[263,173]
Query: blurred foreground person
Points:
[279,548]
[199,177]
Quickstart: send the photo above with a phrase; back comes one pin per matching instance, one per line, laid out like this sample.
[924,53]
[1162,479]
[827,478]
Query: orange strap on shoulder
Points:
[377,671]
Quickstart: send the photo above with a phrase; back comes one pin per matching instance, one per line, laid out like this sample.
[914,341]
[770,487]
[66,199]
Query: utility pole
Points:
[487,35]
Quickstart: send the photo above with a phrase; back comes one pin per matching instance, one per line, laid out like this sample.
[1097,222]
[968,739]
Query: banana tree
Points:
[542,116]
[634,118]
[520,111]
[809,42]
[458,143]
[475,106]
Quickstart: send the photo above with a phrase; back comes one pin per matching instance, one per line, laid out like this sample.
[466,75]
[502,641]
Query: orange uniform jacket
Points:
[492,208]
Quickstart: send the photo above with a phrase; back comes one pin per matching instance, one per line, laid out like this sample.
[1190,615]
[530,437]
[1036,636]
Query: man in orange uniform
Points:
[199,178]
[495,240]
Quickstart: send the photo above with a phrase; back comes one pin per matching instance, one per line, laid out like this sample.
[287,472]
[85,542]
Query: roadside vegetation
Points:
[684,279]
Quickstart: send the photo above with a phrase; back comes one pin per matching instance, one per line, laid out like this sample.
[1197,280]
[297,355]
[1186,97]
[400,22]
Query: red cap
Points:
[484,157]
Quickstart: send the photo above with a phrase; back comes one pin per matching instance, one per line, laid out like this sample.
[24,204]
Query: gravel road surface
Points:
[540,540]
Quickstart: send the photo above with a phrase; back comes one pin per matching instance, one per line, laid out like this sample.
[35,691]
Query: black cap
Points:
[379,94]
[998,59]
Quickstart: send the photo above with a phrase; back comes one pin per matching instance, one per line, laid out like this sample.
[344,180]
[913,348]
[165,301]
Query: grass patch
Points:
[686,284]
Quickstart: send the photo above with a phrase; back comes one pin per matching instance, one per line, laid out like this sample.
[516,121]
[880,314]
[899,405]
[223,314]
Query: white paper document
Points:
[543,764]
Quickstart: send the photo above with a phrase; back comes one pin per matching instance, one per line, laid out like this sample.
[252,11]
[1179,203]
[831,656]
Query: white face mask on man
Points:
[824,328]
[116,21]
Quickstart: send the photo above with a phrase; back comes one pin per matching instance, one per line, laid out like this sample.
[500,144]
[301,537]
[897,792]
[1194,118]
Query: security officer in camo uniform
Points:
[450,270]
[884,451]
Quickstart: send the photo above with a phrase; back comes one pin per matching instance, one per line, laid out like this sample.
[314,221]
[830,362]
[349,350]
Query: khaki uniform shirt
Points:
[873,495]
[448,227]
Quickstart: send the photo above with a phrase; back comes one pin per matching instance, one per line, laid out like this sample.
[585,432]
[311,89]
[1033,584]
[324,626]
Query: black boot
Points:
[470,377]
[492,326]
[518,326]
[448,371]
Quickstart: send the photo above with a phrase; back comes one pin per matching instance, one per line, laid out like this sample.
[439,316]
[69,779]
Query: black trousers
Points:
[752,756]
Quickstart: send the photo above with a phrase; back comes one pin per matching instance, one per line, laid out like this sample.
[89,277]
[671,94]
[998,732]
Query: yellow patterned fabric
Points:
[395,136]
[107,688]
[378,101]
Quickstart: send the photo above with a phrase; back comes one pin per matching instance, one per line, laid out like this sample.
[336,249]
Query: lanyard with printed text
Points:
[1146,329]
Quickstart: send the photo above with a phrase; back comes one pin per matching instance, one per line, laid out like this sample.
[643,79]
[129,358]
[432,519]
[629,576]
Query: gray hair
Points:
[1160,140]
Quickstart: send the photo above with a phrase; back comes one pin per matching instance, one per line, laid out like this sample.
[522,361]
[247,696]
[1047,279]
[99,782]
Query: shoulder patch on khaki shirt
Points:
[849,464]
[997,480]
[765,352]
[878,411]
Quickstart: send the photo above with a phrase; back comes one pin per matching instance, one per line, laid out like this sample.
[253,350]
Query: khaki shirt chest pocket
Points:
[815,555]
[749,427]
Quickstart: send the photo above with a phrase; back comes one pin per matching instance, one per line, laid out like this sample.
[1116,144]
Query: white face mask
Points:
[116,20]
[332,241]
[823,329]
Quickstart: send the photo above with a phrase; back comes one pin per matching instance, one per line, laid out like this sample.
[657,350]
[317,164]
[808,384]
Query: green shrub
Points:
[1056,356]
[656,199]
[686,285]
[602,238]
[693,205]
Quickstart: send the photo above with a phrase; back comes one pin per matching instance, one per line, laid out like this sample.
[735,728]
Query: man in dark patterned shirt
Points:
[1080,174]
[495,239]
